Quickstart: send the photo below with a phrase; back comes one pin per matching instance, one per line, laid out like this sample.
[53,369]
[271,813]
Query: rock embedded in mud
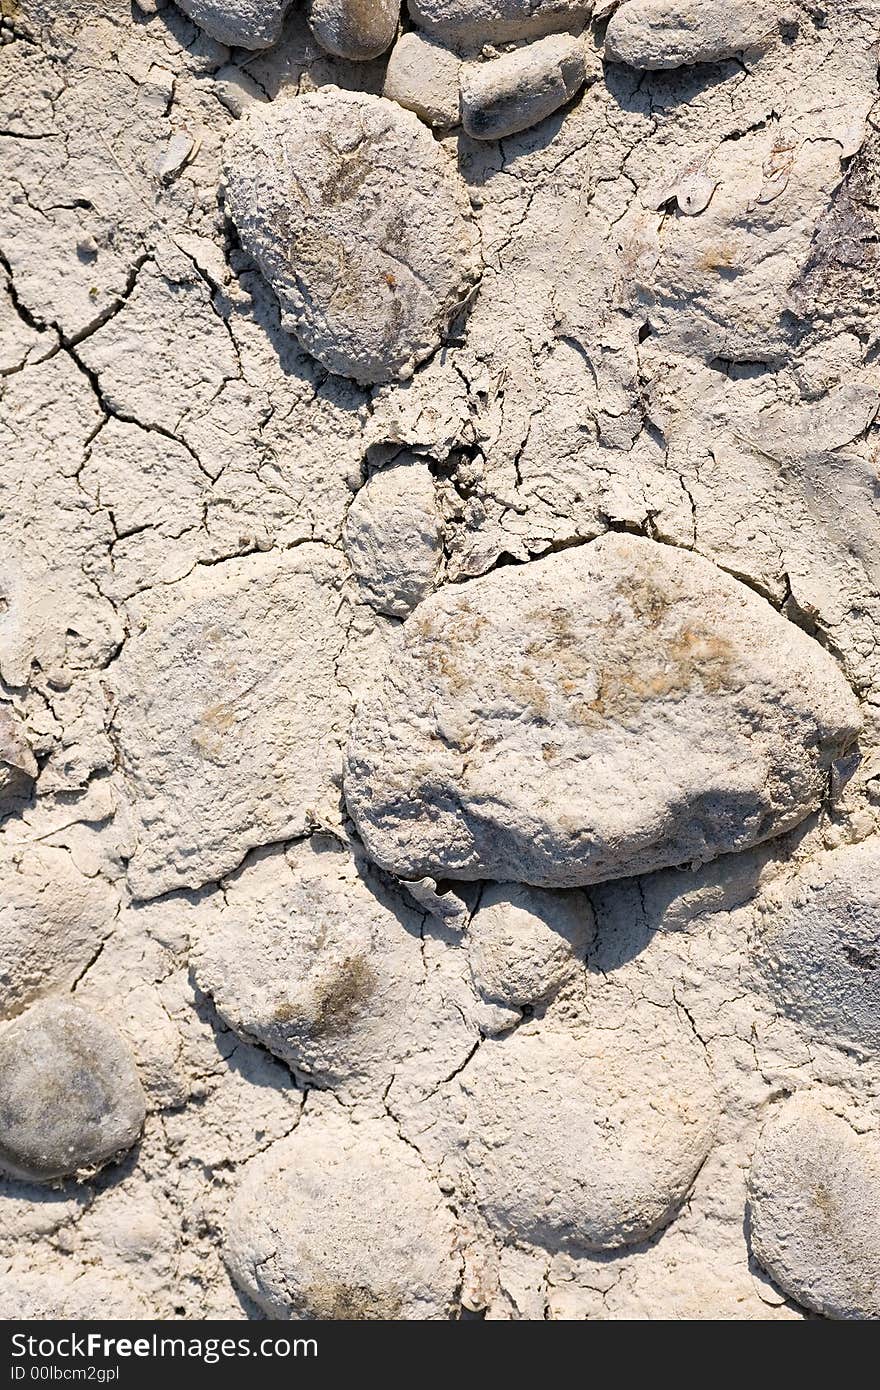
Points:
[819,947]
[393,537]
[52,922]
[524,942]
[361,224]
[354,29]
[343,1221]
[511,93]
[70,1097]
[475,22]
[672,33]
[239,23]
[423,76]
[814,1202]
[609,710]
[230,714]
[312,955]
[588,1140]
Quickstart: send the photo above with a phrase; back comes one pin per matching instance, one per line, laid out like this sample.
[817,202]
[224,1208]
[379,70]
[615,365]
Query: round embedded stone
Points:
[393,537]
[360,222]
[238,23]
[524,942]
[818,950]
[471,23]
[423,76]
[311,954]
[343,1221]
[655,34]
[354,29]
[70,1097]
[588,1140]
[814,1202]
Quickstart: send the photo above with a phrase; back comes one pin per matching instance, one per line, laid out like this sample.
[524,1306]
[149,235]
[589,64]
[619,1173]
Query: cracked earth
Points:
[439,660]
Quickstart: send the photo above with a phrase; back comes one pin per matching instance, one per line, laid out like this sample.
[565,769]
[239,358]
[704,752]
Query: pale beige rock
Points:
[341,1221]
[523,943]
[423,76]
[238,23]
[588,1141]
[814,1203]
[606,711]
[474,22]
[361,224]
[818,947]
[315,957]
[393,537]
[53,920]
[231,715]
[236,89]
[670,33]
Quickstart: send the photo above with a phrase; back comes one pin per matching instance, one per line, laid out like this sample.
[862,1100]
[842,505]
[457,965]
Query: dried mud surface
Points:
[456,795]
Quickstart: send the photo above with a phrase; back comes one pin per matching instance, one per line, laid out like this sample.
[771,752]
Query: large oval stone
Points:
[343,1221]
[70,1096]
[814,1203]
[588,1140]
[609,710]
[656,34]
[360,222]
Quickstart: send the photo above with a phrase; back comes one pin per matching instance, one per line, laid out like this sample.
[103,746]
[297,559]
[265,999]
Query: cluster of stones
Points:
[356,216]
[607,711]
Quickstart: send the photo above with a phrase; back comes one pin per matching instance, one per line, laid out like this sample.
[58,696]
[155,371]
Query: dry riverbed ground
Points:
[439,659]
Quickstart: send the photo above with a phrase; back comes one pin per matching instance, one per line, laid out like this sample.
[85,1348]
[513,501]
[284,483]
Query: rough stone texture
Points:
[670,33]
[516,91]
[343,1221]
[523,943]
[361,225]
[355,29]
[819,947]
[70,1098]
[423,76]
[591,1141]
[240,746]
[604,712]
[393,537]
[486,21]
[73,1295]
[814,1202]
[238,23]
[53,920]
[676,335]
[319,965]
